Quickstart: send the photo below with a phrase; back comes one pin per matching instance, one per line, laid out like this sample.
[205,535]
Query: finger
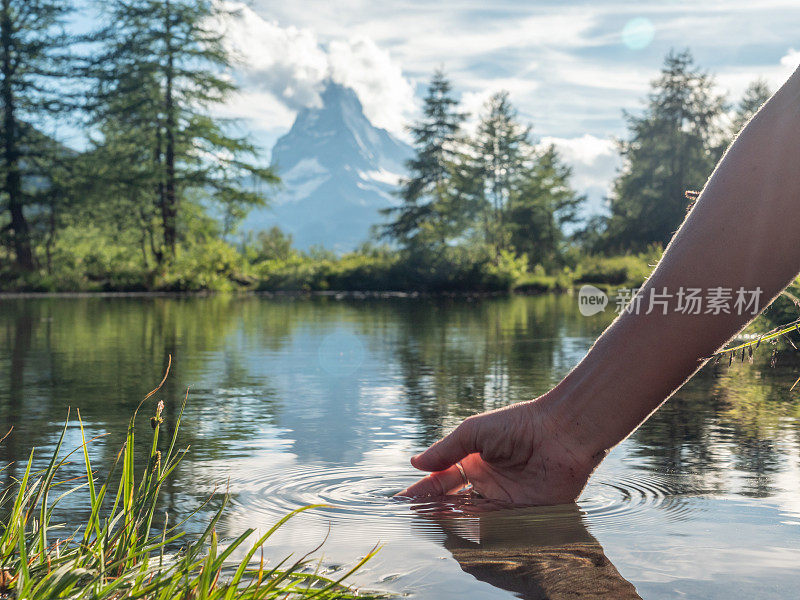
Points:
[450,449]
[439,483]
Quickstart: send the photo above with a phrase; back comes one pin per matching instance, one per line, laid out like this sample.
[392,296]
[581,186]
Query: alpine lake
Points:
[322,400]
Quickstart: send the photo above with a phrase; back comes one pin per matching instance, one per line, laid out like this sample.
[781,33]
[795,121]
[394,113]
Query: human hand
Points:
[516,454]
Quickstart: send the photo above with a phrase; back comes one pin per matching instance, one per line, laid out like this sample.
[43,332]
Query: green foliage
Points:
[494,190]
[34,63]
[785,308]
[91,258]
[160,70]
[211,264]
[454,268]
[153,204]
[430,212]
[542,204]
[756,94]
[474,267]
[270,244]
[497,163]
[672,147]
[628,270]
[120,552]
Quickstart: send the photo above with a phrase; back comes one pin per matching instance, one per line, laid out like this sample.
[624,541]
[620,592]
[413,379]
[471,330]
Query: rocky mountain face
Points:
[338,170]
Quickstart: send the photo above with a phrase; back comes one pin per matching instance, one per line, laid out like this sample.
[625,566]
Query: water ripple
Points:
[357,496]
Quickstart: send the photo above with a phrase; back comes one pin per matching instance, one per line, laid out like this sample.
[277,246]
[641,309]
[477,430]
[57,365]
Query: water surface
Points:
[299,401]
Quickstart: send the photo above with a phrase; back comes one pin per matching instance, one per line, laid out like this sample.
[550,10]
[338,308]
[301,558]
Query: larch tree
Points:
[162,69]
[34,61]
[541,204]
[502,150]
[756,94]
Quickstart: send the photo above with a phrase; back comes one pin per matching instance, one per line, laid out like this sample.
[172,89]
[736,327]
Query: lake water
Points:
[299,401]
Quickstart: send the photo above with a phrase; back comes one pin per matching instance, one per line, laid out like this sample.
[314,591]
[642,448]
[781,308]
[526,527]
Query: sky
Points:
[571,67]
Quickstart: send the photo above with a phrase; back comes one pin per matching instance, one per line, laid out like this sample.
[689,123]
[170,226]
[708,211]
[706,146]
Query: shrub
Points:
[628,270]
[210,264]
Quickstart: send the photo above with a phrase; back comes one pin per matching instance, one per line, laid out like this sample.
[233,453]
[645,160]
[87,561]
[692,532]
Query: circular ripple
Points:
[349,492]
[355,496]
[633,500]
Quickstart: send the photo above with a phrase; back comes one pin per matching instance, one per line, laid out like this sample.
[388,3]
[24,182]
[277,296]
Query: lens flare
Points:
[638,33]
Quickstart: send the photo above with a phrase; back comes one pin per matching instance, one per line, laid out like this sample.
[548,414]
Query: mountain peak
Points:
[335,94]
[338,171]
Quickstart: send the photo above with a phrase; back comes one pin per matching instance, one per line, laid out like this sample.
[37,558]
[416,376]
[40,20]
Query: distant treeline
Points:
[153,198]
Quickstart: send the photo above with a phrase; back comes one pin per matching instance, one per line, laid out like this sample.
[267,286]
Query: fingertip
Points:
[402,495]
[423,462]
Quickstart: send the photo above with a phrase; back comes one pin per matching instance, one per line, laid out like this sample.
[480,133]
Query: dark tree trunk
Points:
[160,197]
[170,206]
[20,232]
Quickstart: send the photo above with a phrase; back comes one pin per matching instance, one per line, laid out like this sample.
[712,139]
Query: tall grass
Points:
[119,553]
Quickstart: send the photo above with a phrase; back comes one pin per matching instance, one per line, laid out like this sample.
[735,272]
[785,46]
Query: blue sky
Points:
[571,67]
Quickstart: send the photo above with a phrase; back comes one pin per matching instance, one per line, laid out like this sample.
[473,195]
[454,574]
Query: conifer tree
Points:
[429,211]
[33,59]
[162,69]
[756,94]
[672,147]
[524,193]
[502,151]
[541,204]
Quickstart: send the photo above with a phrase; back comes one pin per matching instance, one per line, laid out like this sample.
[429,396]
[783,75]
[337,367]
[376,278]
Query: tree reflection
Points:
[254,363]
[460,357]
[726,417]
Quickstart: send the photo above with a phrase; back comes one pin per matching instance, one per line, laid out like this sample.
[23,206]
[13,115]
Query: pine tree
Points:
[756,94]
[541,204]
[163,66]
[501,150]
[430,211]
[33,60]
[672,147]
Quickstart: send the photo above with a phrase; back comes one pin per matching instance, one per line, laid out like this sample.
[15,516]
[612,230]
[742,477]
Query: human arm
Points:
[742,233]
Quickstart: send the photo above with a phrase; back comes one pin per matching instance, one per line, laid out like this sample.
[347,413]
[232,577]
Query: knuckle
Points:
[468,432]
[469,424]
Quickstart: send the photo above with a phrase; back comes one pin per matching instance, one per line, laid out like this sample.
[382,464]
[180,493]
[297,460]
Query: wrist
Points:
[563,415]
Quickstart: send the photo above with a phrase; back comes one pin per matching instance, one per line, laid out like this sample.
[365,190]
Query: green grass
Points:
[119,553]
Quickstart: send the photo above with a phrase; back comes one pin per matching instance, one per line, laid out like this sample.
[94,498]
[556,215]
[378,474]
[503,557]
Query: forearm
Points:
[742,233]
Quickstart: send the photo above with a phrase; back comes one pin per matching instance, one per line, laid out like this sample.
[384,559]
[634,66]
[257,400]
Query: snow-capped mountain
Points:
[337,172]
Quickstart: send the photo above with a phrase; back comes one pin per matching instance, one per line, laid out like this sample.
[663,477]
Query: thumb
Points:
[452,448]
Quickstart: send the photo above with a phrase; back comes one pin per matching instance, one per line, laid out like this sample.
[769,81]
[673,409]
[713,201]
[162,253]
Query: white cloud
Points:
[387,96]
[291,64]
[791,60]
[261,108]
[564,63]
[587,149]
[734,80]
[286,61]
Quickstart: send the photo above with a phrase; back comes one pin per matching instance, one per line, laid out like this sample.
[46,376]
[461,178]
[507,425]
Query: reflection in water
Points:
[322,400]
[536,553]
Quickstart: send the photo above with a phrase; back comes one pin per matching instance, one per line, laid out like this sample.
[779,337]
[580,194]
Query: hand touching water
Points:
[740,234]
[514,454]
